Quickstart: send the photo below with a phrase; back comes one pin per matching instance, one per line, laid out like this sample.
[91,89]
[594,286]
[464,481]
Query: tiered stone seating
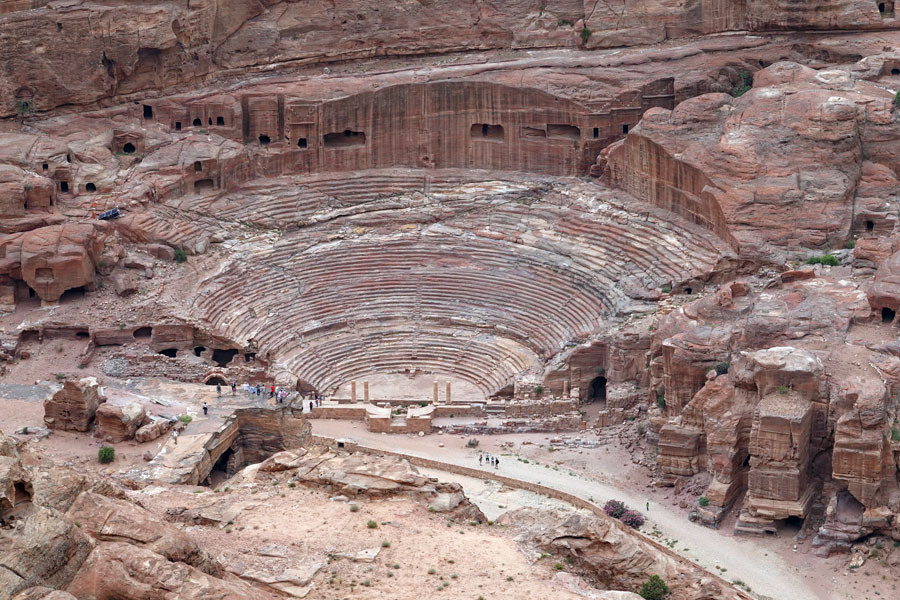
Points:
[493,289]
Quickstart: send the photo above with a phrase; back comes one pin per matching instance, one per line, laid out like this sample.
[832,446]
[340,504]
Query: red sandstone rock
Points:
[152,431]
[119,423]
[73,407]
[58,258]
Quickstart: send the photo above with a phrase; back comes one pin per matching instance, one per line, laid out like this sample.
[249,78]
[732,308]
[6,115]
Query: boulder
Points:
[161,251]
[60,257]
[124,283]
[121,570]
[138,260]
[119,423]
[113,520]
[153,430]
[73,407]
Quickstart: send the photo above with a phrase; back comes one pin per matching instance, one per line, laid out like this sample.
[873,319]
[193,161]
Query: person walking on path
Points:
[175,437]
[233,388]
[496,463]
[204,408]
[219,389]
[648,506]
[272,392]
[310,406]
[480,458]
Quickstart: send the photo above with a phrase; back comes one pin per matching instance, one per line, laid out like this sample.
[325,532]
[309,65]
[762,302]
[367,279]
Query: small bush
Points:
[60,376]
[703,501]
[722,368]
[432,571]
[897,99]
[180,255]
[661,401]
[25,431]
[783,390]
[585,34]
[826,259]
[371,524]
[106,454]
[185,418]
[385,544]
[354,508]
[614,508]
[654,588]
[666,289]
[558,566]
[565,22]
[850,244]
[745,85]
[633,518]
[539,389]
[895,434]
[472,442]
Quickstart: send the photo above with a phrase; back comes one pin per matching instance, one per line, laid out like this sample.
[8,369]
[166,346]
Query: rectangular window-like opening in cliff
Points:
[177,125]
[64,186]
[887,315]
[485,131]
[533,132]
[45,166]
[596,132]
[198,166]
[148,111]
[886,9]
[625,128]
[203,185]
[220,121]
[302,143]
[870,225]
[345,139]
[568,132]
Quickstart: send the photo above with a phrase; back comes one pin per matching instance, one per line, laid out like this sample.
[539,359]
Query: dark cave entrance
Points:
[887,315]
[223,357]
[598,390]
[170,352]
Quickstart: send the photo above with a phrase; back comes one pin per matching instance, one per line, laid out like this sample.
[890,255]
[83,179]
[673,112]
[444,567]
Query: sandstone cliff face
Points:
[74,406]
[789,150]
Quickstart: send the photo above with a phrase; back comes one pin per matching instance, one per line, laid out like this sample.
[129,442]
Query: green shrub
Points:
[661,401]
[385,544]
[703,501]
[585,34]
[745,85]
[850,244]
[722,368]
[354,508]
[666,289]
[895,434]
[826,259]
[783,390]
[539,389]
[185,418]
[897,99]
[106,454]
[654,588]
[180,255]
[565,22]
[371,524]
[60,376]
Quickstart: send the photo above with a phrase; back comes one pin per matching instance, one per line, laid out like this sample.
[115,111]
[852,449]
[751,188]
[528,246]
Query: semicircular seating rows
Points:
[492,287]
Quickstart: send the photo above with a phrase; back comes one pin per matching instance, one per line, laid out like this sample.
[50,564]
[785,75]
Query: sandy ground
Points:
[468,561]
[775,571]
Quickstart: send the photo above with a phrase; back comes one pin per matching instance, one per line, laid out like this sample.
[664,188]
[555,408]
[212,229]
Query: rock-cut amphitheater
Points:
[644,251]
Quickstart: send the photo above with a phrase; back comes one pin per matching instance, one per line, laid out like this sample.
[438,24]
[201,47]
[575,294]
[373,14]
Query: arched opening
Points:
[72,294]
[209,121]
[198,350]
[895,71]
[215,380]
[31,293]
[598,390]
[90,187]
[198,166]
[220,121]
[747,462]
[202,185]
[128,148]
[143,332]
[196,123]
[148,111]
[688,291]
[264,139]
[64,187]
[870,225]
[887,315]
[82,335]
[220,471]
[170,352]
[301,143]
[596,132]
[223,357]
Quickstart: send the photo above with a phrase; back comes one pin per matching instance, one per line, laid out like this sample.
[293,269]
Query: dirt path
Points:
[767,574]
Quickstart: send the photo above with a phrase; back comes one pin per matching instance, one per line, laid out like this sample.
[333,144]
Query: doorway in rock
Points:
[220,472]
[72,294]
[598,390]
[223,357]
[887,315]
[215,381]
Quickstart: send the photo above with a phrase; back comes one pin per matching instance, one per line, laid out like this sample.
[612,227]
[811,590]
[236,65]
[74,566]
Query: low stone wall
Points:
[540,409]
[537,488]
[557,424]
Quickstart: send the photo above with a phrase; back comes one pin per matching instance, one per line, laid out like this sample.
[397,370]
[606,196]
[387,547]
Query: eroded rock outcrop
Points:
[74,406]
[119,423]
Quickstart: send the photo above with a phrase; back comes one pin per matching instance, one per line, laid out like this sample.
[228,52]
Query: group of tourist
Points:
[259,391]
[492,461]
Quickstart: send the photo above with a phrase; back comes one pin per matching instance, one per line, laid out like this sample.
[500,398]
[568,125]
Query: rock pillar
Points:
[353,392]
[366,391]
[448,392]
[435,392]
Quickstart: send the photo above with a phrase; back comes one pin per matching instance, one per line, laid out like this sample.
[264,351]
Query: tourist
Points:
[219,389]
[496,462]
[272,392]
[258,391]
[175,437]
[648,506]
[480,458]
[310,406]
[233,388]
[204,408]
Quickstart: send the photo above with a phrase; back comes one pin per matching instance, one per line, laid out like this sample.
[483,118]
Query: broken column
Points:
[353,392]
[435,392]
[366,391]
[448,392]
